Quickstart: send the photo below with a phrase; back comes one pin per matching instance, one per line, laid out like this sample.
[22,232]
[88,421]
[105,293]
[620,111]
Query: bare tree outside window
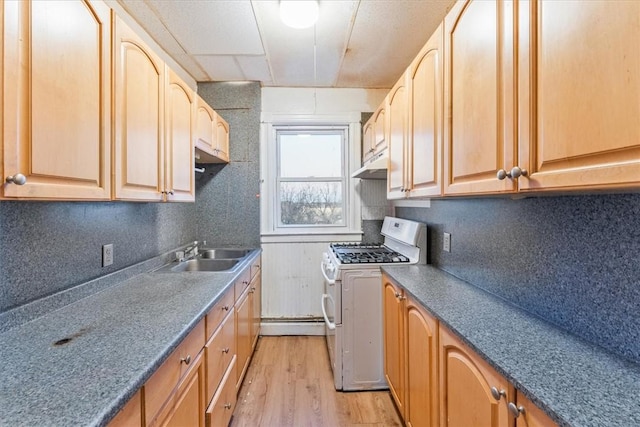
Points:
[311,177]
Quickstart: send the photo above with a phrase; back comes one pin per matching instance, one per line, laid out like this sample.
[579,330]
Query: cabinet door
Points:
[179,150]
[424,156]
[397,137]
[579,92]
[187,406]
[379,141]
[367,140]
[479,90]
[422,352]
[205,126]
[531,415]
[56,109]
[465,388]
[243,336]
[256,309]
[222,139]
[131,414]
[139,113]
[394,341]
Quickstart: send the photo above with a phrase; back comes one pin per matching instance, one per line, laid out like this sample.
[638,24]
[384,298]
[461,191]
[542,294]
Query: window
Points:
[311,178]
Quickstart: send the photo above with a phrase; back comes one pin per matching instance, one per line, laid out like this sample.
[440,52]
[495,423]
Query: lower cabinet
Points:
[197,385]
[437,380]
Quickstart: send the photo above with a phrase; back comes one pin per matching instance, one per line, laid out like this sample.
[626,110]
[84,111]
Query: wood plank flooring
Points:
[289,383]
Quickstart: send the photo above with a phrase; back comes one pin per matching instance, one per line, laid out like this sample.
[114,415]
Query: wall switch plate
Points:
[446,245]
[107,255]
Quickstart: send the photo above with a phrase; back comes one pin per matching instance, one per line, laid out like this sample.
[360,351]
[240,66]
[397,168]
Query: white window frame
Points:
[271,231]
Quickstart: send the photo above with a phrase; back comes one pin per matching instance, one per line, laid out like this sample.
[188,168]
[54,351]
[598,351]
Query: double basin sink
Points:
[209,260]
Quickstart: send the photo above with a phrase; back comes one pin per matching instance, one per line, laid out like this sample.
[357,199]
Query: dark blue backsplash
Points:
[572,260]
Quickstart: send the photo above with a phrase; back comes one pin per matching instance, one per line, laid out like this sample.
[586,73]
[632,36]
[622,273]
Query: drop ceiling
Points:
[355,43]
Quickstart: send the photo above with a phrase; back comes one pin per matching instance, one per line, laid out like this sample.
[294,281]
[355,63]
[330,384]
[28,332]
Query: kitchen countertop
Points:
[575,382]
[112,342]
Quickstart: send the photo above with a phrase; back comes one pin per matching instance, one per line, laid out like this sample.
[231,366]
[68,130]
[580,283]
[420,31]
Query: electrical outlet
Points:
[446,245]
[107,255]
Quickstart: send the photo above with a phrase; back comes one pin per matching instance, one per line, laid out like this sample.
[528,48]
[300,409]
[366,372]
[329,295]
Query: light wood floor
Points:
[289,383]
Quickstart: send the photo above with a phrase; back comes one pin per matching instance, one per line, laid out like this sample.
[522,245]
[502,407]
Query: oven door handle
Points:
[324,273]
[330,324]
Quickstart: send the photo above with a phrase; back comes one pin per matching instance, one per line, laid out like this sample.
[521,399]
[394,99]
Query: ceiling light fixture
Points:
[299,13]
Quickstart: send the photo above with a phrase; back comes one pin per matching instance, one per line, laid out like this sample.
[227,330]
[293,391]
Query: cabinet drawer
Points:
[255,267]
[221,408]
[242,282]
[219,352]
[166,378]
[219,311]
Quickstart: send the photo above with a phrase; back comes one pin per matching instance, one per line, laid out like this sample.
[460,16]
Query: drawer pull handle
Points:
[244,282]
[225,350]
[225,308]
[227,406]
[400,297]
[186,360]
[515,410]
[17,179]
[498,394]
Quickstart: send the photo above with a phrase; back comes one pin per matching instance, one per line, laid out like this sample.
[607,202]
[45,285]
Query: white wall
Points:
[292,282]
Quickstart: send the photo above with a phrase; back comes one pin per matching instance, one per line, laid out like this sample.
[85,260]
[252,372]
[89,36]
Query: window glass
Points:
[311,177]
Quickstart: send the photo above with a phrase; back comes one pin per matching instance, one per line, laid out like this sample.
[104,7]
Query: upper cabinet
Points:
[579,94]
[397,136]
[374,139]
[139,118]
[479,136]
[179,149]
[56,101]
[212,135]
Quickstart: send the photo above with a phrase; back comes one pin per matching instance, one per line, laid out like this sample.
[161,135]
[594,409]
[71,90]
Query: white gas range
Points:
[352,301]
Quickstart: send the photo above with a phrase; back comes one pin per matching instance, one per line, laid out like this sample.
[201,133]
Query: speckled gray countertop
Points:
[576,383]
[119,337]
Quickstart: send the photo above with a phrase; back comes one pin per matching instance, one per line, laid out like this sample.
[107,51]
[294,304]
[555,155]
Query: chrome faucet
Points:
[189,252]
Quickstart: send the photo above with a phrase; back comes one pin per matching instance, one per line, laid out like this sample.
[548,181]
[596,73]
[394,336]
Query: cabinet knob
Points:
[498,394]
[515,410]
[400,296]
[514,173]
[170,192]
[186,360]
[225,350]
[227,406]
[225,308]
[244,282]
[17,179]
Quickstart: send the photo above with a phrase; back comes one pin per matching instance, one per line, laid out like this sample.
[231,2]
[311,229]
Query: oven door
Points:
[331,311]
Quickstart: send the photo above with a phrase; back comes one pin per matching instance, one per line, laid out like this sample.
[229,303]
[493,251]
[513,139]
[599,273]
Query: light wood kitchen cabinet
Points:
[56,100]
[179,148]
[212,135]
[222,139]
[423,174]
[243,336]
[411,352]
[186,406]
[393,327]
[256,301]
[479,92]
[139,118]
[220,351]
[529,415]
[421,366]
[579,86]
[374,136]
[397,112]
[466,382]
[161,390]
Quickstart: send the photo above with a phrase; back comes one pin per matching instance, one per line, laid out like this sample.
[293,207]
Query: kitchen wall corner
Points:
[227,196]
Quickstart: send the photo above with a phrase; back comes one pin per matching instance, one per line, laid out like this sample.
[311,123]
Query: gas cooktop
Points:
[366,253]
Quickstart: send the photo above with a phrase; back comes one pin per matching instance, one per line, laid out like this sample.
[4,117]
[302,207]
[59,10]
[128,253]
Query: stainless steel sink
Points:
[199,264]
[223,253]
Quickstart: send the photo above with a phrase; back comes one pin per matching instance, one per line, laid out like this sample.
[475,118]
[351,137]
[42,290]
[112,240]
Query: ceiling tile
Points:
[220,68]
[192,67]
[387,34]
[222,27]
[255,68]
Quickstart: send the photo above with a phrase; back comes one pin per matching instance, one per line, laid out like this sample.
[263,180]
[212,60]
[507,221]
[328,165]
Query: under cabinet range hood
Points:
[376,168]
